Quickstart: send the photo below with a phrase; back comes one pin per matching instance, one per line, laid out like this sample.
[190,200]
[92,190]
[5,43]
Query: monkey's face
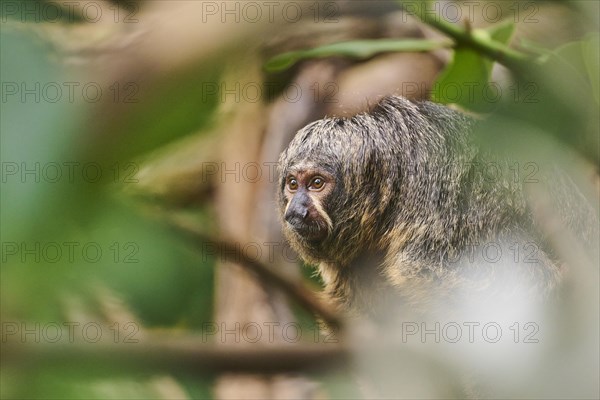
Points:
[330,193]
[304,193]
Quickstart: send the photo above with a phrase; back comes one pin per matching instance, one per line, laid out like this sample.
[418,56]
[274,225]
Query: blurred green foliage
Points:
[565,108]
[139,257]
[161,280]
[64,239]
[150,113]
[31,11]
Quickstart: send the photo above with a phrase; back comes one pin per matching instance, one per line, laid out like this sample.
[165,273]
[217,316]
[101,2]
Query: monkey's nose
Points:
[296,214]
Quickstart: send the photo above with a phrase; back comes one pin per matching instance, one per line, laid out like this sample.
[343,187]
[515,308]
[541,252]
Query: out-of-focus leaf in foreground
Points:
[36,132]
[75,252]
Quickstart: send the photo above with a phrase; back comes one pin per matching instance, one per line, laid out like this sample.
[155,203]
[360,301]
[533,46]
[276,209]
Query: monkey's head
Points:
[335,187]
[348,186]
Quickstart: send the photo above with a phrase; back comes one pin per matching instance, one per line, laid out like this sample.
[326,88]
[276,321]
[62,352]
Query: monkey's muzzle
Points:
[305,227]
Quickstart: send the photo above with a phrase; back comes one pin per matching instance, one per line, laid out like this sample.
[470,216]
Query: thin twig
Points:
[294,288]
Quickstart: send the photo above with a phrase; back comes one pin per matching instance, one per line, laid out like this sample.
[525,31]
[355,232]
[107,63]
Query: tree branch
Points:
[173,355]
[228,249]
[499,52]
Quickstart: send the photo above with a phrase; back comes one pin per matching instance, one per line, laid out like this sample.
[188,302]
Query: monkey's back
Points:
[417,218]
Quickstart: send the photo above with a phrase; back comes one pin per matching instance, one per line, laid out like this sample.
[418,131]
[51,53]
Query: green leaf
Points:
[583,59]
[162,279]
[38,124]
[359,49]
[591,58]
[502,32]
[465,81]
[462,81]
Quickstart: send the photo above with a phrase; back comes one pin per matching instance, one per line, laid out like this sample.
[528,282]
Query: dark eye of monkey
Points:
[292,184]
[317,183]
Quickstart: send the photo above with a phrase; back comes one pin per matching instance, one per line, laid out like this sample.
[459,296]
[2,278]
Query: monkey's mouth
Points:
[310,232]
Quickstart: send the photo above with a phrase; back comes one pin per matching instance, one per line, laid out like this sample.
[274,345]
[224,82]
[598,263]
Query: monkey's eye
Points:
[317,183]
[292,184]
